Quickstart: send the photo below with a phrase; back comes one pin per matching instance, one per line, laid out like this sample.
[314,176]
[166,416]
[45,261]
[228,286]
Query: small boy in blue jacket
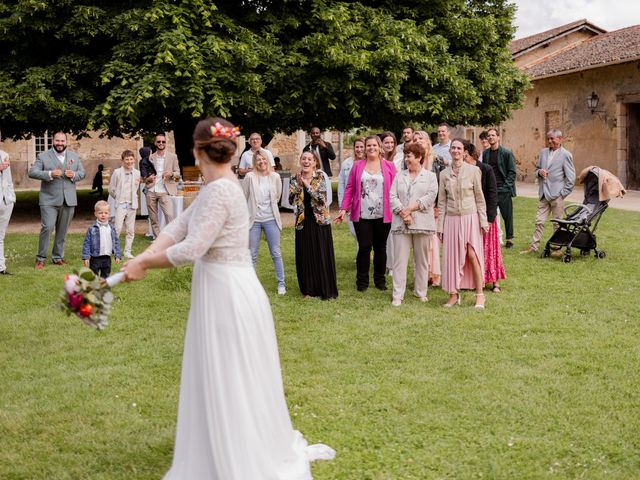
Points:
[100,242]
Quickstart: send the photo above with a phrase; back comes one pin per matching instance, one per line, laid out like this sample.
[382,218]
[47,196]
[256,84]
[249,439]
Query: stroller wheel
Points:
[546,253]
[566,258]
[601,254]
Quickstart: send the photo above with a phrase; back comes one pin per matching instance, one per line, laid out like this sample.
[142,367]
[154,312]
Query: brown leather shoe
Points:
[59,261]
[556,253]
[39,265]
[529,249]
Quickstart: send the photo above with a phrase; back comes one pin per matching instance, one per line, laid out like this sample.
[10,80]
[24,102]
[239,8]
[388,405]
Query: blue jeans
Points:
[272,234]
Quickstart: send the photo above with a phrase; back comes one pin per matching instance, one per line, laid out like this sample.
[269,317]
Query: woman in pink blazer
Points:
[366,199]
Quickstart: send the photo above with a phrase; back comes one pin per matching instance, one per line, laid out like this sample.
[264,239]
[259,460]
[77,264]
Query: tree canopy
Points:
[137,66]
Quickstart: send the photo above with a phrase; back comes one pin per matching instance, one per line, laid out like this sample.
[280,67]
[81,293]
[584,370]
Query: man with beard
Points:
[161,185]
[58,170]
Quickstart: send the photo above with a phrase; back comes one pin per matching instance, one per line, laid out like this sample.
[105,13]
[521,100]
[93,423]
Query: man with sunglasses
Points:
[161,185]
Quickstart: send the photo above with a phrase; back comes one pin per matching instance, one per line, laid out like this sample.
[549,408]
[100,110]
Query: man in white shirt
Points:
[441,149]
[7,201]
[246,160]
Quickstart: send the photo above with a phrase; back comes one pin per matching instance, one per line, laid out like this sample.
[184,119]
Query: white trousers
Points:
[5,215]
[126,217]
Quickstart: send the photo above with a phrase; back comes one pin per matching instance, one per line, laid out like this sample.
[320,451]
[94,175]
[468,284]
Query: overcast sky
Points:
[534,16]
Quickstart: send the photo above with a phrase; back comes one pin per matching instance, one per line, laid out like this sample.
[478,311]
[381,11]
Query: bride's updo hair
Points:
[215,139]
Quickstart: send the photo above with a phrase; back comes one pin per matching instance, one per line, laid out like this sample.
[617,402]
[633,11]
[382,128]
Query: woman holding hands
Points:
[461,223]
[315,260]
[412,197]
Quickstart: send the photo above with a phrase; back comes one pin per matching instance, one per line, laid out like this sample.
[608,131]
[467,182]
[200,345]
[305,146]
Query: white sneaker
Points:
[128,255]
[282,290]
[396,302]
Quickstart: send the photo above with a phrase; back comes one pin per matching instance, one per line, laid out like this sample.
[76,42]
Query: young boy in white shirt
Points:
[123,187]
[100,242]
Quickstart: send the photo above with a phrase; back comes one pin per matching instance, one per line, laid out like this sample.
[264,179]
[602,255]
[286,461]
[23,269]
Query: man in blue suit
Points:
[58,169]
[556,178]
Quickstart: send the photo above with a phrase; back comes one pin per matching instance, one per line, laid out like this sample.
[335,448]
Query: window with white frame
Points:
[43,143]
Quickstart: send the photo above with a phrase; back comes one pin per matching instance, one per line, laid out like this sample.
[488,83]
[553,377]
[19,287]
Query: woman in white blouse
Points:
[262,188]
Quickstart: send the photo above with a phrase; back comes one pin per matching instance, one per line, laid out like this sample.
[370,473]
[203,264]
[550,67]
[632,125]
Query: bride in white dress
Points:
[233,422]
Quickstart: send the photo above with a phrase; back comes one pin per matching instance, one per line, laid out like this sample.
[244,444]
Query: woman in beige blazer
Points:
[412,195]
[262,188]
[461,222]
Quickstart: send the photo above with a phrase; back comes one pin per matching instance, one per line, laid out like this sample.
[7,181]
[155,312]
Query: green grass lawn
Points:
[542,384]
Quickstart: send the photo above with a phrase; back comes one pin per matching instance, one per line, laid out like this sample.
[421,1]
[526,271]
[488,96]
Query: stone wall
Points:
[93,151]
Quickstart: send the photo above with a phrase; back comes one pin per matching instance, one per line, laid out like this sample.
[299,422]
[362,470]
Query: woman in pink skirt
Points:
[461,223]
[493,264]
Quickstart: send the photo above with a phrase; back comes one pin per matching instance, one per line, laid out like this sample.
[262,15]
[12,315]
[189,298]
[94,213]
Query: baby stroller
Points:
[577,229]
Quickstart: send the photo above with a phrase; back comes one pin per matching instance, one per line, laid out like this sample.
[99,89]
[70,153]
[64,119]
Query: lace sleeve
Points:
[177,229]
[208,216]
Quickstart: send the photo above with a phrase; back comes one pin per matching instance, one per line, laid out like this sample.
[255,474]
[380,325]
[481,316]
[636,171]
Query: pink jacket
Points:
[353,189]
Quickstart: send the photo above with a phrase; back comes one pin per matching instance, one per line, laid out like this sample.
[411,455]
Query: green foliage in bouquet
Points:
[88,297]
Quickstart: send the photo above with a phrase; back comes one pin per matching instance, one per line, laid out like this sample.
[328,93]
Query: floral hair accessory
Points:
[219,130]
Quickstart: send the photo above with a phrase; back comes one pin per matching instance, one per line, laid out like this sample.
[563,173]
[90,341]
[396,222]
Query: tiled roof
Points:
[614,47]
[525,43]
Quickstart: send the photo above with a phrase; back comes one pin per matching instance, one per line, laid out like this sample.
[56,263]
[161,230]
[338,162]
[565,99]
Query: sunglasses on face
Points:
[161,141]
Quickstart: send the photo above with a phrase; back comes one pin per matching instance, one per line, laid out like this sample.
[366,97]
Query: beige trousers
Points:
[555,207]
[164,201]
[403,243]
[126,217]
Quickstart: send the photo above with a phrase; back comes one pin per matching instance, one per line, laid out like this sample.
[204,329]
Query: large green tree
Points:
[131,67]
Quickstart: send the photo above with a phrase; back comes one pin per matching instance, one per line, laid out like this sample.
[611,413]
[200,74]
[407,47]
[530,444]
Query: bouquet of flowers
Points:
[89,297]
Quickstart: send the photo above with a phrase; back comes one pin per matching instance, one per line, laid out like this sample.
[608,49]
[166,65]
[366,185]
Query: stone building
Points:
[586,82]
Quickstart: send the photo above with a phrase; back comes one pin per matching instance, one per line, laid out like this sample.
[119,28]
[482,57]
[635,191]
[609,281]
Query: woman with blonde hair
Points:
[345,169]
[262,188]
[315,259]
[366,199]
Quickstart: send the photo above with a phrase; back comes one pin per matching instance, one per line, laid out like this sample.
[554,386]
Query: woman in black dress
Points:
[315,260]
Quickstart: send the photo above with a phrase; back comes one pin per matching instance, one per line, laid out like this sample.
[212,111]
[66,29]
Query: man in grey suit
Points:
[7,200]
[58,169]
[556,178]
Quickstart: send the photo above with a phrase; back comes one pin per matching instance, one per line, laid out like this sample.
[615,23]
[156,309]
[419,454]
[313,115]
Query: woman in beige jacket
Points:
[461,223]
[262,187]
[412,196]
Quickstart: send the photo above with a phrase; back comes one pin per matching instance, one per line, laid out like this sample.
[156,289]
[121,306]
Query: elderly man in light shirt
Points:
[556,177]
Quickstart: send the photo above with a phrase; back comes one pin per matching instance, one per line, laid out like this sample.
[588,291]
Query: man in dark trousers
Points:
[503,162]
[322,149]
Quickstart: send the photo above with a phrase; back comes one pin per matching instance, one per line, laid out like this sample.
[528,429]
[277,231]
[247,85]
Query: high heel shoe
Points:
[479,305]
[457,301]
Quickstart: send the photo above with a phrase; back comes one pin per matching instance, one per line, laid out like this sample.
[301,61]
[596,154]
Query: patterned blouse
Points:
[318,192]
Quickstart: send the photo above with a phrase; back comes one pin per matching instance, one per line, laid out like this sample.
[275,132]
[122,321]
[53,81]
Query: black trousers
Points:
[371,234]
[505,204]
[101,265]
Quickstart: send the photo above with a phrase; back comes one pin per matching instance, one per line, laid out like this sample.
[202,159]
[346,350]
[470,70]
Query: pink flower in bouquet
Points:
[70,283]
[75,300]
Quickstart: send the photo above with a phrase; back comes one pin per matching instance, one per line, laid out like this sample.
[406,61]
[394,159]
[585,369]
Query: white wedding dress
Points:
[233,422]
